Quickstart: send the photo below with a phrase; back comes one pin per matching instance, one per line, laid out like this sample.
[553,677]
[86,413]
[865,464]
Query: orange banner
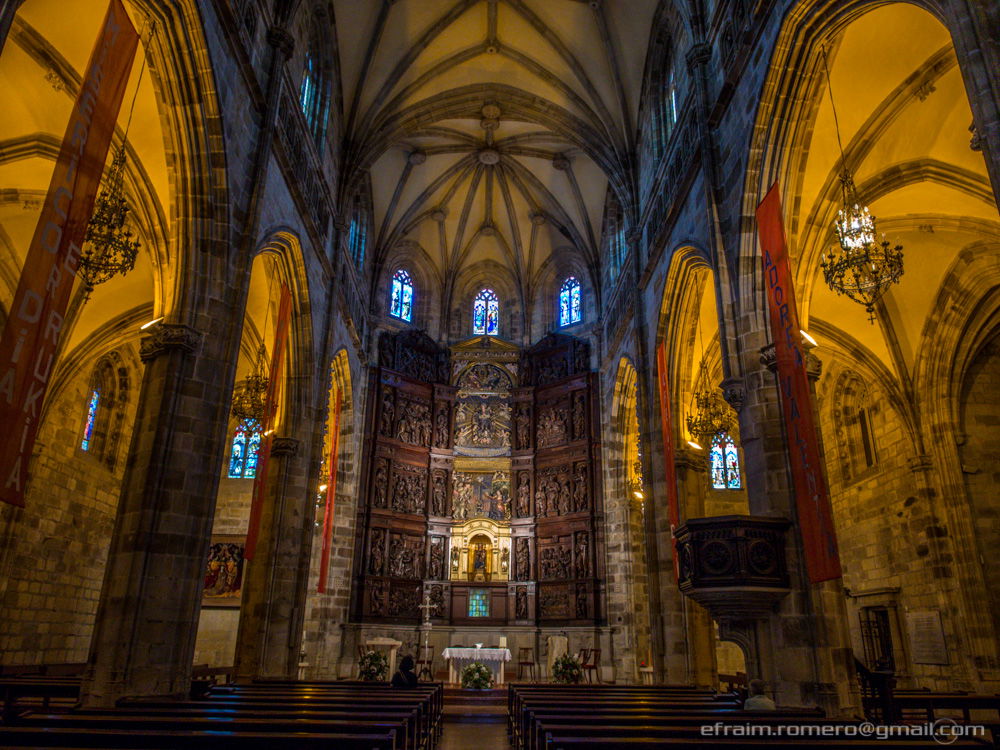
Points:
[331,490]
[819,537]
[270,412]
[31,334]
[667,434]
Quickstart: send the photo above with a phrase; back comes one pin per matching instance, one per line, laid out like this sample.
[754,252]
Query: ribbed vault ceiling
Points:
[492,128]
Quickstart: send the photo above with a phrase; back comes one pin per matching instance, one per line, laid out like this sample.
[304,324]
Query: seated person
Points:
[404,677]
[758,701]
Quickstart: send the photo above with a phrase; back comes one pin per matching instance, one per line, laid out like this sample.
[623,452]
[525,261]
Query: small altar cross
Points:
[426,607]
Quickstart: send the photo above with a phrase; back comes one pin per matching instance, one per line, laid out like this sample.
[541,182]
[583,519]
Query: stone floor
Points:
[474,720]
[474,736]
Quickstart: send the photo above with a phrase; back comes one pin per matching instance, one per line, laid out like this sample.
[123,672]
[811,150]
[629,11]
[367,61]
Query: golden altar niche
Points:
[480,551]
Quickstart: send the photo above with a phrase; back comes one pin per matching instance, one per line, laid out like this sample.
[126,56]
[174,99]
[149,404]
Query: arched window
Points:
[104,418]
[725,462]
[570,308]
[243,457]
[88,428]
[314,91]
[486,314]
[401,296]
[357,238]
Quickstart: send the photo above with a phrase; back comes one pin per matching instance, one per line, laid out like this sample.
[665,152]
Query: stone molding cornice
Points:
[167,337]
[284,446]
[282,41]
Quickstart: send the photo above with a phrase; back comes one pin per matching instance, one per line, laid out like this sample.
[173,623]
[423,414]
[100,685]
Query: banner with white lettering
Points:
[31,334]
[819,538]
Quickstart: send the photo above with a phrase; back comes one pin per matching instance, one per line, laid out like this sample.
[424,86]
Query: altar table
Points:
[459,658]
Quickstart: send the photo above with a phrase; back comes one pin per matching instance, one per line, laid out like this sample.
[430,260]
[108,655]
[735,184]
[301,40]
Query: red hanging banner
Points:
[31,334]
[331,490]
[819,537]
[270,411]
[667,436]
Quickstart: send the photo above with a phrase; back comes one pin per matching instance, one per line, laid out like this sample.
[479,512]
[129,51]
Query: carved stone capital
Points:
[281,40]
[734,391]
[769,357]
[690,460]
[166,337]
[814,367]
[284,446]
[699,54]
[919,463]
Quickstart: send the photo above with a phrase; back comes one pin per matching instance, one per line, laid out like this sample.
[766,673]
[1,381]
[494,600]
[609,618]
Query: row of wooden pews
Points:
[620,717]
[263,715]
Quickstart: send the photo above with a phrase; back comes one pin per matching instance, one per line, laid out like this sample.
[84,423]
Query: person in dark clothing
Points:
[404,677]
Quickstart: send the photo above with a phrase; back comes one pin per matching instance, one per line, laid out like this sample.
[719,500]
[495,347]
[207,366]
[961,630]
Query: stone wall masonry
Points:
[980,457]
[53,551]
[889,528]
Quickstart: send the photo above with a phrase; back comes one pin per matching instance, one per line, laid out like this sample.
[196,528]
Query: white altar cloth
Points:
[493,658]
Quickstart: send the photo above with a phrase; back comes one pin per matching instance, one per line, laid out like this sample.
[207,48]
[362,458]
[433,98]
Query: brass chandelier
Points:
[711,415]
[861,267]
[109,248]
[250,396]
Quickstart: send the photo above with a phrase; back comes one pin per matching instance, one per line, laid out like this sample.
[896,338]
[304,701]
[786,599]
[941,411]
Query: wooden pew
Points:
[14,689]
[570,741]
[12,737]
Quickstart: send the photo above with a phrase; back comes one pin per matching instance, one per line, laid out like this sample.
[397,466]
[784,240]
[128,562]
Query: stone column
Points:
[274,589]
[692,480]
[147,617]
[973,26]
[806,652]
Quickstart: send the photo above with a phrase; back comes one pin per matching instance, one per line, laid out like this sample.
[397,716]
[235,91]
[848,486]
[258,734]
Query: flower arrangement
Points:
[477,676]
[567,670]
[374,666]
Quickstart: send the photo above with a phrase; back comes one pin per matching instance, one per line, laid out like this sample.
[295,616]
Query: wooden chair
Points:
[526,658]
[591,663]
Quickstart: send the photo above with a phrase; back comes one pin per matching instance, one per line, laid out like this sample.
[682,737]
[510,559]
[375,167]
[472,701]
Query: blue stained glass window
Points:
[725,463]
[312,98]
[486,314]
[243,457]
[479,603]
[401,299]
[357,238]
[569,302]
[88,429]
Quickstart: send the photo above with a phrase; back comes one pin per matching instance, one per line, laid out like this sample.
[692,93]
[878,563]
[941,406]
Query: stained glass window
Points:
[479,603]
[486,313]
[725,463]
[243,457]
[313,98]
[401,299]
[88,428]
[357,238]
[569,302]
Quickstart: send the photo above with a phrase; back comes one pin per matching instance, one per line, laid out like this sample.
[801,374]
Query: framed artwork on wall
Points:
[224,572]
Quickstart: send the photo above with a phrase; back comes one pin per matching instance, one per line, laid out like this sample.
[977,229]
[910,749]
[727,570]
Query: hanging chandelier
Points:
[109,248]
[250,396]
[862,267]
[711,415]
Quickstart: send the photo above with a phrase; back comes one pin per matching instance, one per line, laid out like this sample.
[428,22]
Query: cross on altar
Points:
[427,607]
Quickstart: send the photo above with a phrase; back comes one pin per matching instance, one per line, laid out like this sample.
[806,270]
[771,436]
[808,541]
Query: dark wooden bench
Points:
[133,739]
[571,741]
[407,722]
[14,689]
